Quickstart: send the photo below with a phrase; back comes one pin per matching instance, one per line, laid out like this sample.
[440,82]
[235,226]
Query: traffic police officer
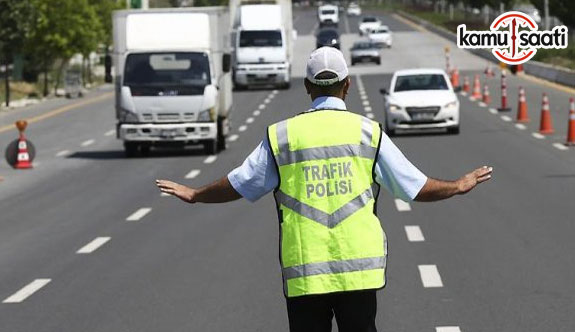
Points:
[325,167]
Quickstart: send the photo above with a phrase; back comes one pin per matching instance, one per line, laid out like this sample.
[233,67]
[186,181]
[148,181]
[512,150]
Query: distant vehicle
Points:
[364,51]
[367,24]
[327,37]
[420,99]
[381,36]
[173,85]
[353,10]
[263,44]
[73,84]
[529,10]
[328,15]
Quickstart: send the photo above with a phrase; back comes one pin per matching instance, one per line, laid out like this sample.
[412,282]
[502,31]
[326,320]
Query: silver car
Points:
[364,51]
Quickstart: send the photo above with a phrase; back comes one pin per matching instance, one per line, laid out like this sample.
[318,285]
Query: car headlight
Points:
[207,115]
[450,105]
[127,116]
[394,108]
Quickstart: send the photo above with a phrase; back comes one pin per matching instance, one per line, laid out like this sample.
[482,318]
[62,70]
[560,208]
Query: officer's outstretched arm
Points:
[220,191]
[435,190]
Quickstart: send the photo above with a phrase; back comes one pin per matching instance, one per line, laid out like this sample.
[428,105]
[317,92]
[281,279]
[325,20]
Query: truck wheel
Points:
[145,150]
[130,149]
[211,147]
[222,144]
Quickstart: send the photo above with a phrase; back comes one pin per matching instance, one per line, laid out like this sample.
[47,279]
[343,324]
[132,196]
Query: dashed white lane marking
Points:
[365,103]
[192,174]
[401,205]
[275,92]
[271,95]
[164,194]
[560,146]
[139,214]
[210,159]
[243,128]
[447,329]
[493,111]
[110,132]
[63,153]
[414,233]
[363,96]
[520,126]
[262,106]
[537,135]
[257,112]
[88,142]
[93,245]
[370,115]
[482,104]
[367,108]
[249,120]
[267,100]
[430,276]
[27,290]
[506,118]
[233,138]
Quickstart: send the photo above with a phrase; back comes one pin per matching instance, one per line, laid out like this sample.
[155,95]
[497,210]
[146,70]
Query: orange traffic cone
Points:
[522,115]
[571,125]
[486,97]
[476,88]
[23,159]
[519,69]
[466,87]
[489,71]
[545,125]
[455,78]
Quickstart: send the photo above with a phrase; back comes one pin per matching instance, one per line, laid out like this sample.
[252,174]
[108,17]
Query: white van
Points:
[328,15]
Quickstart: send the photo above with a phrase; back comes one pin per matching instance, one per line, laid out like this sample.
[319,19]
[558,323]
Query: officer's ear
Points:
[307,85]
[346,86]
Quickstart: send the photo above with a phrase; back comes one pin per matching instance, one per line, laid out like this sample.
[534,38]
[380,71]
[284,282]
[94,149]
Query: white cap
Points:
[326,59]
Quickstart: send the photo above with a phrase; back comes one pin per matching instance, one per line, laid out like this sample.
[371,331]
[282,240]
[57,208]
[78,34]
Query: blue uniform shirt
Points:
[258,175]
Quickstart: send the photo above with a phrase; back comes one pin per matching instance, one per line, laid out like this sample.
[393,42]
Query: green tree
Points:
[562,9]
[14,29]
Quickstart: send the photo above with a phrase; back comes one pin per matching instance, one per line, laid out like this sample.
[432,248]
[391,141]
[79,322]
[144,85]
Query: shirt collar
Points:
[329,103]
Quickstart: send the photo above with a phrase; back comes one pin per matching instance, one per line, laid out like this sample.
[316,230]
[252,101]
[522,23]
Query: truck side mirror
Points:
[226,62]
[108,68]
[383,91]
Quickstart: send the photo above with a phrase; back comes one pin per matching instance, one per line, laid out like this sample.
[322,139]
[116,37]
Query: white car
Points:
[353,10]
[420,99]
[381,36]
[367,24]
[328,15]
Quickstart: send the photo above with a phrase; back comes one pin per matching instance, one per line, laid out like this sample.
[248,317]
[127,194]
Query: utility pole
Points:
[546,13]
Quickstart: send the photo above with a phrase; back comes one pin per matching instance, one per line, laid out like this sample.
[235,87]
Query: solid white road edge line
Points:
[402,205]
[414,233]
[27,290]
[93,245]
[430,276]
[192,174]
[139,214]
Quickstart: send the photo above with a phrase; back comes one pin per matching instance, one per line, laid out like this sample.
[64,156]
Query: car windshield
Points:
[420,82]
[380,30]
[362,46]
[369,20]
[167,69]
[261,38]
[328,12]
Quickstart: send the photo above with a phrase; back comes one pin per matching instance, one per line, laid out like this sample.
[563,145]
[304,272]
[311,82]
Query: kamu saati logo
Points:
[513,38]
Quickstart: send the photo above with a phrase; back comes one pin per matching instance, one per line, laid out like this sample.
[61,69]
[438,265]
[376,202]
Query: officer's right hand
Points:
[182,192]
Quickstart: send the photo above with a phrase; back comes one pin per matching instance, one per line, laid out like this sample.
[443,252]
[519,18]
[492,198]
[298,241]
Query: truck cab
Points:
[328,15]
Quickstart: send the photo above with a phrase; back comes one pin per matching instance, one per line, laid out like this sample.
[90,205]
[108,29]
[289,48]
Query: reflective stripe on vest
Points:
[347,248]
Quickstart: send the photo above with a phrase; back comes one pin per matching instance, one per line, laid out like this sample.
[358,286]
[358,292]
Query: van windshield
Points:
[420,82]
[189,72]
[261,38]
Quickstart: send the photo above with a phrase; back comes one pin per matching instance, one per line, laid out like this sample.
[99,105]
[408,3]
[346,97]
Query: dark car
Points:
[327,37]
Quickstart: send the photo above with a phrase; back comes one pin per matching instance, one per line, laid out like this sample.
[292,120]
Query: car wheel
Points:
[145,150]
[390,132]
[353,63]
[378,61]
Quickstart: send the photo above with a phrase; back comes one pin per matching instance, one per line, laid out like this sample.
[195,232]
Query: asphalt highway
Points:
[87,243]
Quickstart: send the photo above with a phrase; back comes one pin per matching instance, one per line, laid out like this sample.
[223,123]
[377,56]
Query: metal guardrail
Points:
[547,72]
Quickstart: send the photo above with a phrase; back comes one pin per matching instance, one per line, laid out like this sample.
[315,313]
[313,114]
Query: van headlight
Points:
[394,108]
[207,115]
[450,105]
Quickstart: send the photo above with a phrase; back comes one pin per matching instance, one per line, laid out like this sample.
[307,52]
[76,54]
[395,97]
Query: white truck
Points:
[328,15]
[172,80]
[263,43]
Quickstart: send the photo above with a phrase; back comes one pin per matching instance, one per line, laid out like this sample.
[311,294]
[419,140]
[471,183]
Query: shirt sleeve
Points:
[257,175]
[397,174]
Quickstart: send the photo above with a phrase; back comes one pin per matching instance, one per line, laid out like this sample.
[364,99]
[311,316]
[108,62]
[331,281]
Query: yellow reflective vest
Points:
[331,239]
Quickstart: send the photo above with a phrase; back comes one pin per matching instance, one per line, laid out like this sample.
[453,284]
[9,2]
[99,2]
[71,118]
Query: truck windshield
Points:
[420,82]
[188,72]
[328,12]
[261,38]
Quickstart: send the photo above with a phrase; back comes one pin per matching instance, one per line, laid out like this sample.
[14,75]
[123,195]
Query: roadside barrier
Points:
[486,99]
[545,124]
[522,114]
[504,107]
[476,88]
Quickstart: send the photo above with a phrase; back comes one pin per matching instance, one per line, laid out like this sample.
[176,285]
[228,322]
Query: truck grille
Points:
[168,116]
